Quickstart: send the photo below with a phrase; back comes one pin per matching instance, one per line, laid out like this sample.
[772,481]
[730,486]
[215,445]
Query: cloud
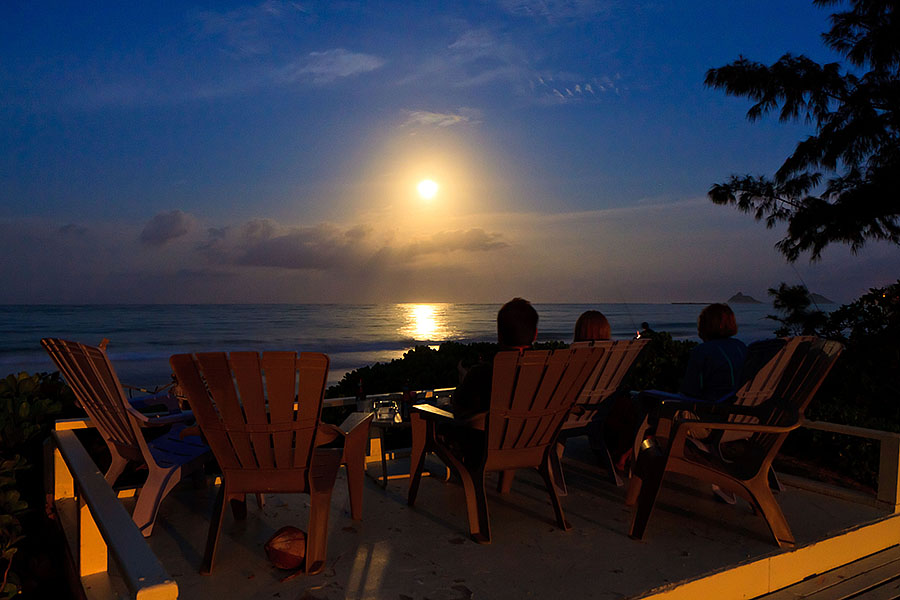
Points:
[424,118]
[324,67]
[572,87]
[476,57]
[324,247]
[557,11]
[73,230]
[248,30]
[166,226]
[475,40]
[639,253]
[471,240]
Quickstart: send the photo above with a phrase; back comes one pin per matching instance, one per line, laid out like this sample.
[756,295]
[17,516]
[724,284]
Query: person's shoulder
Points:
[738,344]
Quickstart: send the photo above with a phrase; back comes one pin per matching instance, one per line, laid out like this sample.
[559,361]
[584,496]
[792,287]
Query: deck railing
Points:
[98,527]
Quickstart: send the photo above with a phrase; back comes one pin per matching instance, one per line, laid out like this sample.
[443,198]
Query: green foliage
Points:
[661,364]
[797,318]
[422,368]
[857,141]
[28,406]
[11,505]
[863,389]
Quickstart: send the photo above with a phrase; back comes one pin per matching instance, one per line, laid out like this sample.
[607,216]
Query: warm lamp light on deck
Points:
[427,189]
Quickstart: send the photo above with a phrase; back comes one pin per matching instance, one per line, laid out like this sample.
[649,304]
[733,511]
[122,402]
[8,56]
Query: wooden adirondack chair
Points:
[354,435]
[169,457]
[531,395]
[618,357]
[786,386]
[244,404]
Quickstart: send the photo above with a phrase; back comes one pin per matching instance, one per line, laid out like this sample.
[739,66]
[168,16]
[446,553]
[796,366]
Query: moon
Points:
[427,188]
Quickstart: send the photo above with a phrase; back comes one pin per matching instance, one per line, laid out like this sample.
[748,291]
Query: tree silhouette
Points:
[857,142]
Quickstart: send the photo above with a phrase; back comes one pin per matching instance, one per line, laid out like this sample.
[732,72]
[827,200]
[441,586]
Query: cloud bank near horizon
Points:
[651,253]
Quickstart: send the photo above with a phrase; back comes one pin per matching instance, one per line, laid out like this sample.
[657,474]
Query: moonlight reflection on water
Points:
[426,322]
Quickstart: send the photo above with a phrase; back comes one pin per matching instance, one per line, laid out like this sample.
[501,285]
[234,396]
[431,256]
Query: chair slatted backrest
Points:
[810,360]
[256,411]
[96,386]
[532,394]
[762,384]
[618,357]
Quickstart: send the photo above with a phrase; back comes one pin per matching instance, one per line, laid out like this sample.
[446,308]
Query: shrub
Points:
[863,389]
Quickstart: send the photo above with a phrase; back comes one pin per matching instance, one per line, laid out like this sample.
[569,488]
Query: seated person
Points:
[516,330]
[714,367]
[713,372]
[590,326]
[645,332]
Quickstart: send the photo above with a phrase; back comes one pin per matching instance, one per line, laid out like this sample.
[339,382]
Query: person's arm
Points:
[473,394]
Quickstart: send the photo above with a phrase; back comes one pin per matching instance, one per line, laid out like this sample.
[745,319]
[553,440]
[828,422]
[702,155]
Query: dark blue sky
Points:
[270,151]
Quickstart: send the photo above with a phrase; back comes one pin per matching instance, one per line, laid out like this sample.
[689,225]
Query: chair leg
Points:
[471,489]
[354,459]
[239,508]
[556,472]
[260,501]
[116,468]
[317,538]
[771,512]
[651,468]
[774,483]
[633,490]
[554,496]
[215,528]
[606,461]
[483,533]
[422,431]
[158,485]
[505,482]
[322,474]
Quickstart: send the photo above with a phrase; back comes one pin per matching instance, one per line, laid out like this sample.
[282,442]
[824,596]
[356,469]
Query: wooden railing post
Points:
[93,556]
[889,474]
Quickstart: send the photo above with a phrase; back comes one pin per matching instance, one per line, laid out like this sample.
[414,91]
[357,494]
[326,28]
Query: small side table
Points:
[379,451]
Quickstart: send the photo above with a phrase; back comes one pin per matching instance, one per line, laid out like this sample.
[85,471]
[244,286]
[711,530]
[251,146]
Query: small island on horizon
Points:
[740,298]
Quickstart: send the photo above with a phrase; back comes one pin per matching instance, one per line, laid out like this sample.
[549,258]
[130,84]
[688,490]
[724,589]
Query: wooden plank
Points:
[859,584]
[888,591]
[872,434]
[837,576]
[141,570]
[783,569]
[889,474]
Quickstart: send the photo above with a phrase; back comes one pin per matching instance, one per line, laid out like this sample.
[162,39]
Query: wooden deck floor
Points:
[406,553]
[875,577]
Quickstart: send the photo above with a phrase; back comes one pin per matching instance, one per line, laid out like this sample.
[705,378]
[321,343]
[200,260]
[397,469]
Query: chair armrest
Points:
[326,433]
[445,417]
[750,427]
[356,420]
[162,396]
[160,419]
[433,412]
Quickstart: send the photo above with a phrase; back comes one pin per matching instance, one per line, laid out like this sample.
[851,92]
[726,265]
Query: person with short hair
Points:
[714,367]
[517,322]
[591,325]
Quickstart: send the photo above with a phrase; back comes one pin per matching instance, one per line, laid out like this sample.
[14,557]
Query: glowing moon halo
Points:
[427,188]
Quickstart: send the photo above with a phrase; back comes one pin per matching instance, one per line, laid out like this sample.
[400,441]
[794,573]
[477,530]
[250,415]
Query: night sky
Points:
[225,152]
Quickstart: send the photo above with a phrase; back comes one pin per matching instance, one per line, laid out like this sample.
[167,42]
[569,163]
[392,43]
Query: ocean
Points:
[142,337]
